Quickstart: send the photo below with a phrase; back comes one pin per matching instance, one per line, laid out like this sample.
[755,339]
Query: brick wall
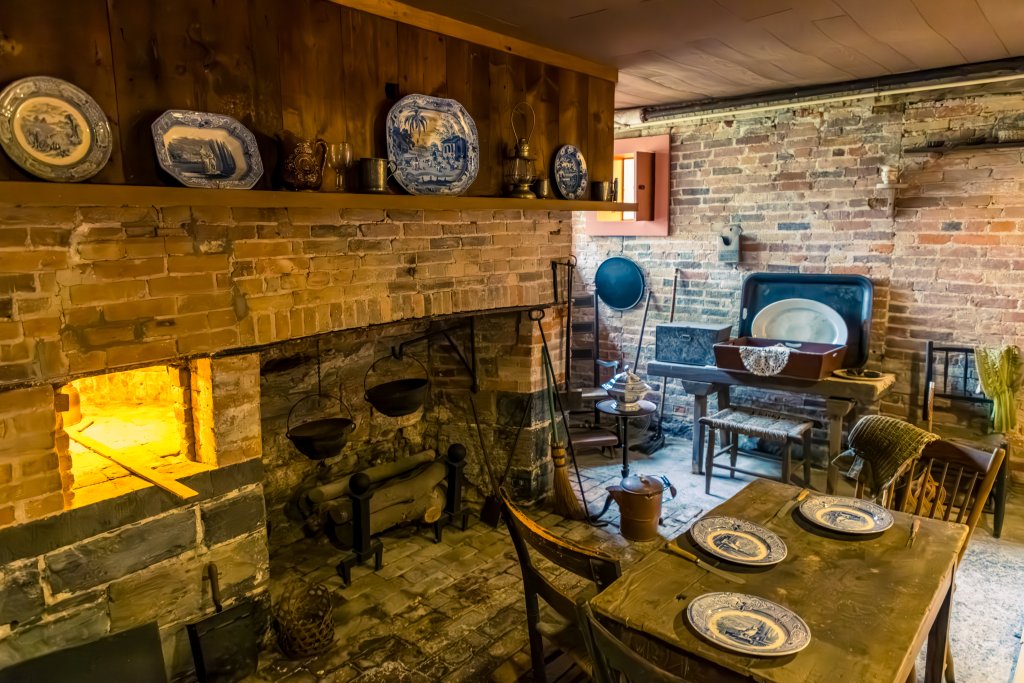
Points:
[801,183]
[90,289]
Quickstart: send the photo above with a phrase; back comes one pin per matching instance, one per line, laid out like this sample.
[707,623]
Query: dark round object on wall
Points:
[398,398]
[619,283]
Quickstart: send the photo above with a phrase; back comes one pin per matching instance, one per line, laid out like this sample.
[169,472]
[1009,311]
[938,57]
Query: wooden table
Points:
[870,603]
[840,397]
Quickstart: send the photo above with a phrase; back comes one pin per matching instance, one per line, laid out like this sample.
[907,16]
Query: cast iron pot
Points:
[323,438]
[398,397]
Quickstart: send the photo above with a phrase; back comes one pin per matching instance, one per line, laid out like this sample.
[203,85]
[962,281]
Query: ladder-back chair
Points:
[614,660]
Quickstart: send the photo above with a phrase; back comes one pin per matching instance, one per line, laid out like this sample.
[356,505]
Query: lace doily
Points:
[764,361]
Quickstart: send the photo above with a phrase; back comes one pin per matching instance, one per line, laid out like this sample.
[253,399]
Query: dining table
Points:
[871,602]
[841,396]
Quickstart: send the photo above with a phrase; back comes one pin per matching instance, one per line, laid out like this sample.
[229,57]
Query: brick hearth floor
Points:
[453,611]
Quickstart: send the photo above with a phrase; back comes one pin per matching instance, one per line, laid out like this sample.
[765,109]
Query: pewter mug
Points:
[601,191]
[374,175]
[542,188]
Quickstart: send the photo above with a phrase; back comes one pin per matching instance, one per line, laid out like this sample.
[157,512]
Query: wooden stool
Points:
[733,422]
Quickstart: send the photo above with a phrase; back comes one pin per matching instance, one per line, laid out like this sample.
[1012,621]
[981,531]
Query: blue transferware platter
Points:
[201,149]
[748,624]
[434,145]
[53,129]
[571,172]
[846,515]
[739,541]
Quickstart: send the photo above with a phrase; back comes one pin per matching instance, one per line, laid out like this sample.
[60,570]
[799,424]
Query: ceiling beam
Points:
[431,21]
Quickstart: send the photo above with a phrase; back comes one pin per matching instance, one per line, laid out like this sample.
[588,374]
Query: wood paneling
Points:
[311,68]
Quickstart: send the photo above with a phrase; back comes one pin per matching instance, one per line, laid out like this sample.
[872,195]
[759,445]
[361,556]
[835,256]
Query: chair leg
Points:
[999,500]
[734,451]
[950,675]
[709,458]
[787,462]
[807,459]
[536,642]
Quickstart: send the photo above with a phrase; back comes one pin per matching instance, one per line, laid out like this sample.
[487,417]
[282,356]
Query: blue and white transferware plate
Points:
[748,624]
[201,149]
[434,144]
[738,540]
[570,172]
[53,129]
[846,515]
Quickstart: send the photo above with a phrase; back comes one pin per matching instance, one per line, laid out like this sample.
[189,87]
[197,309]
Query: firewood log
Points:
[339,488]
[406,489]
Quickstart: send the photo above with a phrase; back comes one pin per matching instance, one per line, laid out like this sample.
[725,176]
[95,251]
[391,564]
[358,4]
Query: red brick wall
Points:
[948,267]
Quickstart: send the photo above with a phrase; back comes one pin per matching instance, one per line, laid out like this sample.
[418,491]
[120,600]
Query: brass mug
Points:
[601,191]
[542,188]
[374,175]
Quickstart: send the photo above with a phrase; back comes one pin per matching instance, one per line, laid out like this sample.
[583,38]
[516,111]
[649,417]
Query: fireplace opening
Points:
[114,423]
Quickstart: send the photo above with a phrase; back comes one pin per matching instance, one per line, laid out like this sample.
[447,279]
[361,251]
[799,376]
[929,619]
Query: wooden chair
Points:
[960,479]
[614,660]
[599,568]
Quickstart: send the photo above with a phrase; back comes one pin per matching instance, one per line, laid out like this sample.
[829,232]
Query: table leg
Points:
[938,639]
[836,409]
[700,391]
[624,421]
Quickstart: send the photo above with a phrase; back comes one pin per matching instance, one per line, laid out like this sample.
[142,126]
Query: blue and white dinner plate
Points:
[738,541]
[570,172]
[201,149]
[748,624]
[434,144]
[846,515]
[53,129]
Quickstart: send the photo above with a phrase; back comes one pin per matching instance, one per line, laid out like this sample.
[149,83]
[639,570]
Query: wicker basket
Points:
[1010,135]
[304,621]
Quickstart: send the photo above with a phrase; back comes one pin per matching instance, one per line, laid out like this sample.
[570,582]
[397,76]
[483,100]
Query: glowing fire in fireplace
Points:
[141,419]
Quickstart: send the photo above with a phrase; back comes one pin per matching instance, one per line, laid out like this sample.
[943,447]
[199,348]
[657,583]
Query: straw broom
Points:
[566,503]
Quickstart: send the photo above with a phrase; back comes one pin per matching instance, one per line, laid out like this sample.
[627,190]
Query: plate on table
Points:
[738,541]
[846,515]
[434,144]
[201,149]
[53,129]
[570,172]
[748,624]
[800,320]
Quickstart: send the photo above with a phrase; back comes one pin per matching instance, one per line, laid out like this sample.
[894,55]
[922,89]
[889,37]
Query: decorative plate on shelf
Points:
[800,320]
[748,624]
[434,144]
[201,149]
[846,515]
[53,129]
[739,541]
[570,172]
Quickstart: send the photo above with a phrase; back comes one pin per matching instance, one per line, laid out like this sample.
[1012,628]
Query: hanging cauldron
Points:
[398,397]
[322,438]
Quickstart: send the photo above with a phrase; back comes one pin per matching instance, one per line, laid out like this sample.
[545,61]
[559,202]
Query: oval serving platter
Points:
[748,624]
[53,129]
[202,149]
[798,319]
[846,515]
[738,541]
[434,144]
[570,171]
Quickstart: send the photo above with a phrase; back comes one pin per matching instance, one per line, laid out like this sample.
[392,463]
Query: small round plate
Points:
[570,172]
[738,541]
[846,515]
[53,129]
[748,624]
[800,320]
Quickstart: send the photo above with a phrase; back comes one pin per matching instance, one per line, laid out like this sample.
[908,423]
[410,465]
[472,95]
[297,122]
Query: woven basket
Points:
[304,621]
[1010,135]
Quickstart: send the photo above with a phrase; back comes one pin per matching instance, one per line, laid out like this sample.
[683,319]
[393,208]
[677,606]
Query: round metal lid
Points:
[619,283]
[642,484]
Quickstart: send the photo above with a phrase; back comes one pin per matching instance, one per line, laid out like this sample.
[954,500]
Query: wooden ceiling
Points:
[685,50]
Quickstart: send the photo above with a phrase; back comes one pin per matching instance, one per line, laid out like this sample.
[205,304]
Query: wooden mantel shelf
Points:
[69,194]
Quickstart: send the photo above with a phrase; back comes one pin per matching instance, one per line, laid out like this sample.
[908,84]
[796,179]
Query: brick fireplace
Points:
[180,337]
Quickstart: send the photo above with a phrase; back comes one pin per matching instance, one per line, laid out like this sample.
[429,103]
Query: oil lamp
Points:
[520,167]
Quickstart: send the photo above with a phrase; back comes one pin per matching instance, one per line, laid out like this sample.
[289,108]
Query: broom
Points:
[566,503]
